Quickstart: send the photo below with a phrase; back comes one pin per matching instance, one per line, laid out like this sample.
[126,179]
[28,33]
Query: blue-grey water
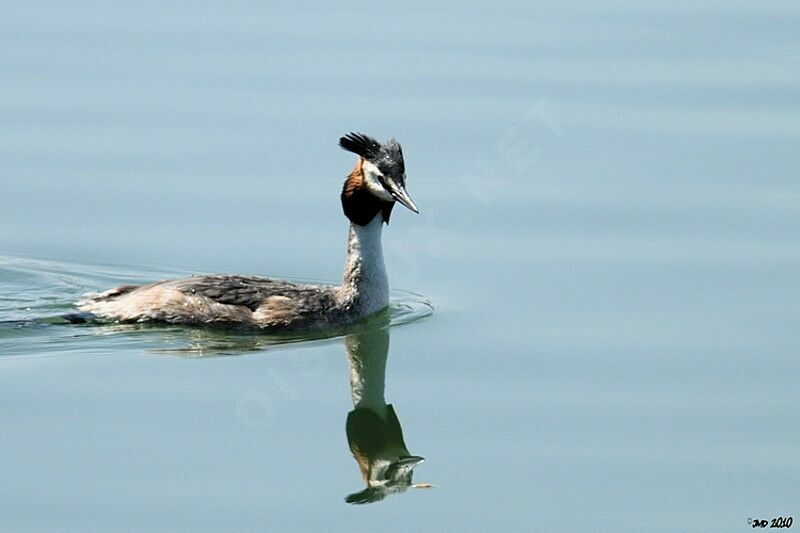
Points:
[610,211]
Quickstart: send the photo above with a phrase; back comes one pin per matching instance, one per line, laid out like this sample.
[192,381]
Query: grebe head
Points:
[380,171]
[379,449]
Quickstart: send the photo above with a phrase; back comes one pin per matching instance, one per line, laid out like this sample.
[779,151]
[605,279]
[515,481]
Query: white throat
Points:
[365,285]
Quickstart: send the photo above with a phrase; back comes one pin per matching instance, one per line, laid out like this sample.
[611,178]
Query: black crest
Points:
[388,157]
[362,145]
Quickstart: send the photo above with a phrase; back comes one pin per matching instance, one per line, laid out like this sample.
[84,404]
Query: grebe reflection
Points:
[373,429]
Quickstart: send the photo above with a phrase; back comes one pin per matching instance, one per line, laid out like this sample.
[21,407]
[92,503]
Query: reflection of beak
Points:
[400,194]
[409,462]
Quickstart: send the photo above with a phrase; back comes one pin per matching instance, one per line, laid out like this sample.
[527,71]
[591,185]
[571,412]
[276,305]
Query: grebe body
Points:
[370,191]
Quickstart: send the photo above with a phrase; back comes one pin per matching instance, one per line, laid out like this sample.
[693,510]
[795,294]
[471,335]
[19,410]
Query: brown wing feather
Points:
[248,291]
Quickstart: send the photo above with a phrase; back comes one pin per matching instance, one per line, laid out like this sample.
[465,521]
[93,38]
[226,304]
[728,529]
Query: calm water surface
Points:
[610,207]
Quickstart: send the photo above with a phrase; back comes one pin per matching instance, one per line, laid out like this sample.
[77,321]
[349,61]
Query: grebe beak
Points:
[409,462]
[399,194]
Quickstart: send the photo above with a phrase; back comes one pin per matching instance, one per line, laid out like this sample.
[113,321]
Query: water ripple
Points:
[35,294]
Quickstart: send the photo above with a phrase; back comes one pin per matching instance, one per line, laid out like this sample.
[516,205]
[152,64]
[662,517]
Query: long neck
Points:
[366,354]
[365,286]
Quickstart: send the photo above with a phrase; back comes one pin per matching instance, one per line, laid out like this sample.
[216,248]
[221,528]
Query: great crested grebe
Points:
[370,191]
[374,433]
